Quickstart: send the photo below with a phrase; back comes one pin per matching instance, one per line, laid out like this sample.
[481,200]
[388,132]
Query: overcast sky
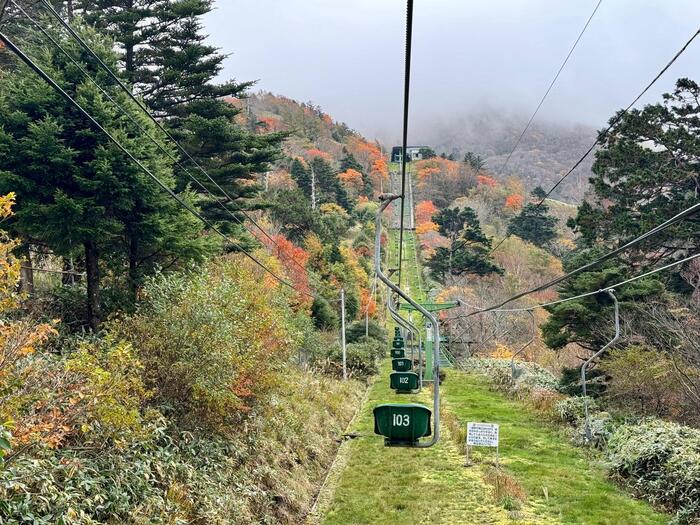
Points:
[467,55]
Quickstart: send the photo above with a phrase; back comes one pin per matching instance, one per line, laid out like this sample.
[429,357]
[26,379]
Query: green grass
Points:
[540,457]
[381,485]
[384,485]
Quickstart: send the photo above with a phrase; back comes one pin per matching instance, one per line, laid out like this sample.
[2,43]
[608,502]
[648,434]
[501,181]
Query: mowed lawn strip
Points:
[385,485]
[540,457]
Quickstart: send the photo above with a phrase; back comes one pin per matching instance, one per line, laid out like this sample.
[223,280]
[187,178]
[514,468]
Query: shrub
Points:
[362,359]
[356,331]
[211,342]
[661,461]
[532,374]
[571,410]
[643,381]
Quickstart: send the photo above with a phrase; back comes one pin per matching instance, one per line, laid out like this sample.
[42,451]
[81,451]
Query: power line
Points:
[663,226]
[404,140]
[613,122]
[551,85]
[125,88]
[49,80]
[611,287]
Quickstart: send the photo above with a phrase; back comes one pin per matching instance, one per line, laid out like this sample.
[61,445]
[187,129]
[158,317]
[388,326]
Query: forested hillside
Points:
[546,151]
[173,265]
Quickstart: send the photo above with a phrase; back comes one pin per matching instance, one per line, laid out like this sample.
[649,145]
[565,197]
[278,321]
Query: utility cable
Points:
[49,80]
[663,226]
[613,122]
[551,85]
[404,139]
[162,128]
[611,287]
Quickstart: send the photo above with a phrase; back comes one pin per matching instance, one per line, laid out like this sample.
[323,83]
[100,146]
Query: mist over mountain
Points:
[545,153]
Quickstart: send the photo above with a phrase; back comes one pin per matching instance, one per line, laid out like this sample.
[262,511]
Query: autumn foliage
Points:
[425,211]
[352,181]
[484,180]
[513,202]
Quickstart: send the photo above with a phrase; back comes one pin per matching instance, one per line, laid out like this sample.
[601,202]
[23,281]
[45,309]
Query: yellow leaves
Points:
[330,208]
[6,203]
[501,352]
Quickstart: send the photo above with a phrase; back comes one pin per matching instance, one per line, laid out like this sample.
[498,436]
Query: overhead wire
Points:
[613,122]
[160,126]
[404,138]
[49,80]
[611,287]
[637,240]
[551,85]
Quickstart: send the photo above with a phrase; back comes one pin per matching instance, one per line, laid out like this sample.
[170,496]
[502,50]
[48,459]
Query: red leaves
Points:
[513,202]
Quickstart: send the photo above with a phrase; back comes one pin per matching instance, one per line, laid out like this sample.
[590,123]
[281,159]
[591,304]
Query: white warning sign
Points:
[482,434]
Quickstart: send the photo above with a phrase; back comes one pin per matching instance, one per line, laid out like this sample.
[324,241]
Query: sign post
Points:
[482,435]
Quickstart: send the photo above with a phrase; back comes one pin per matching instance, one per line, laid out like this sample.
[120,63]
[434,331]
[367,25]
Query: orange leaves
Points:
[315,152]
[294,260]
[367,303]
[513,202]
[486,181]
[425,211]
[352,181]
[271,124]
[426,227]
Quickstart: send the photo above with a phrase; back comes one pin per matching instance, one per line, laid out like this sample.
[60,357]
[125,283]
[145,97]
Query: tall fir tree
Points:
[645,172]
[164,54]
[301,174]
[76,191]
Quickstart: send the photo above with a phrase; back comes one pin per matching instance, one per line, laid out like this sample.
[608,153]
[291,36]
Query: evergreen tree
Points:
[328,187]
[469,250]
[539,193]
[534,224]
[302,176]
[164,55]
[292,212]
[427,153]
[76,191]
[589,321]
[476,162]
[646,171]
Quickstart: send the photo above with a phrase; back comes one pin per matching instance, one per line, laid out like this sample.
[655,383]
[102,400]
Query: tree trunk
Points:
[133,270]
[26,274]
[92,272]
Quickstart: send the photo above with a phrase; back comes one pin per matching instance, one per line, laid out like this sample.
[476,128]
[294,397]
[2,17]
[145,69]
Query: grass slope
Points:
[382,485]
[540,458]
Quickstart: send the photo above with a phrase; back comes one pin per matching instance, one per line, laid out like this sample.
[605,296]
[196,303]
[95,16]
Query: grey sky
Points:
[467,55]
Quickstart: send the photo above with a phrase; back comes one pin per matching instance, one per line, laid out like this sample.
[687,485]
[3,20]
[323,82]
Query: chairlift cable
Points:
[49,80]
[551,85]
[142,106]
[404,139]
[613,122]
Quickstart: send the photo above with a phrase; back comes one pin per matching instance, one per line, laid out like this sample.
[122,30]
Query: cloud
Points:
[469,57]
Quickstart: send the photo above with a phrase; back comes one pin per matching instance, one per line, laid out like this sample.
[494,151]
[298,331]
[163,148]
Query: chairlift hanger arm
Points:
[386,200]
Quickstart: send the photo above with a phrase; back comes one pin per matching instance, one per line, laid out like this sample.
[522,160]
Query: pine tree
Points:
[469,250]
[533,223]
[302,176]
[164,55]
[646,171]
[76,191]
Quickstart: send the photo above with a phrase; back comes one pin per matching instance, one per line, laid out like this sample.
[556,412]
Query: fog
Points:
[469,57]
